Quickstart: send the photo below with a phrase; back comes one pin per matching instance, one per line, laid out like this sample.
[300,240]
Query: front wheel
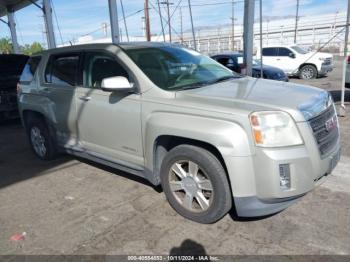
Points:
[308,72]
[195,184]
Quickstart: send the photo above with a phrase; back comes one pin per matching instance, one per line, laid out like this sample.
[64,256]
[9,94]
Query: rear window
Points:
[270,51]
[29,70]
[62,70]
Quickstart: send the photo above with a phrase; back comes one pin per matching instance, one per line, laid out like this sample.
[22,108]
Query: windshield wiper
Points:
[194,86]
[224,78]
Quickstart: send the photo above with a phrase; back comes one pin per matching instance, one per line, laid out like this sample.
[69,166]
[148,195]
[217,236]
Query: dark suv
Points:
[11,67]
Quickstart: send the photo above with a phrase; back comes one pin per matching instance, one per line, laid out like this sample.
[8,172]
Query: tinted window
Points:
[62,70]
[284,52]
[270,51]
[100,66]
[225,61]
[30,69]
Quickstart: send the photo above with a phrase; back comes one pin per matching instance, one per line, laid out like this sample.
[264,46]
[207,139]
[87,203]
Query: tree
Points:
[6,46]
[32,49]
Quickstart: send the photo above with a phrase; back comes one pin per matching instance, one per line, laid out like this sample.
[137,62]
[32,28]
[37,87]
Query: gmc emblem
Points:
[331,124]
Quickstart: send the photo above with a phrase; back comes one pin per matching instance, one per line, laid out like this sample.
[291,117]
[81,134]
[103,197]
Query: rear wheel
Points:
[195,184]
[40,139]
[308,72]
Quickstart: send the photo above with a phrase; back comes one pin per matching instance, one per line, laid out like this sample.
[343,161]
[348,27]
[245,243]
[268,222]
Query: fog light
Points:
[284,176]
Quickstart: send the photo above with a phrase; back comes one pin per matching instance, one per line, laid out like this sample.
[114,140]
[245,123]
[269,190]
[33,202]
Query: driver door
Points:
[109,124]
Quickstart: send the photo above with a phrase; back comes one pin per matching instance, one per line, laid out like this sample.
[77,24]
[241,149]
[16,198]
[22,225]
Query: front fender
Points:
[228,137]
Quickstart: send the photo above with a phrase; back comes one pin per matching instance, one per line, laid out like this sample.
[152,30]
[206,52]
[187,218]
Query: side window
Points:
[99,66]
[284,52]
[29,70]
[224,60]
[270,51]
[62,70]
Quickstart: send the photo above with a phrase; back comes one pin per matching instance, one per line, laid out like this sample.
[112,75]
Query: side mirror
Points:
[116,83]
[292,55]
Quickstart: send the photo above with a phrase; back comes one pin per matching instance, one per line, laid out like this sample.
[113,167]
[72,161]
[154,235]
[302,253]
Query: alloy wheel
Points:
[190,186]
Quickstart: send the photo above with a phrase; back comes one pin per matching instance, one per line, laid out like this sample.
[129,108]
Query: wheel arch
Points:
[164,143]
[310,64]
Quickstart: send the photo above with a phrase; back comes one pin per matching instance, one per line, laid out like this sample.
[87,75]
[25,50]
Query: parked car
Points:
[11,67]
[347,77]
[211,138]
[234,61]
[295,61]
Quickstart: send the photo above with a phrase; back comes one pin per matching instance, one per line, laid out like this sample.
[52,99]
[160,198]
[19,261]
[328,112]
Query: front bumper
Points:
[255,180]
[325,69]
[255,207]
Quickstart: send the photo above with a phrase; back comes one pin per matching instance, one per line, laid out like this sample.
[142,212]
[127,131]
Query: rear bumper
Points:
[8,106]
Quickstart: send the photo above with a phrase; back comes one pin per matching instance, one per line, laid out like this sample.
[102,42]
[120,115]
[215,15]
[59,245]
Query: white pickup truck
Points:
[294,60]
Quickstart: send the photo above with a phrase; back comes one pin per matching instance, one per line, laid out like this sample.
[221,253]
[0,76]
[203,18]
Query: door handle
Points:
[278,59]
[85,98]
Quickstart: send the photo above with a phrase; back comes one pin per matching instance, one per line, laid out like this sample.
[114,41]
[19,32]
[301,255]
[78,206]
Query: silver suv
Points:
[213,140]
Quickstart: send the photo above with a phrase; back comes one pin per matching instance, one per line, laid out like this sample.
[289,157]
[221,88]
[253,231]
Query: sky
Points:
[76,18]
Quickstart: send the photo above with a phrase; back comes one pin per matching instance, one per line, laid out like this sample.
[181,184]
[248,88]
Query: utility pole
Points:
[113,14]
[193,33]
[161,19]
[148,27]
[261,43]
[248,35]
[296,23]
[125,25]
[181,26]
[169,19]
[342,109]
[233,25]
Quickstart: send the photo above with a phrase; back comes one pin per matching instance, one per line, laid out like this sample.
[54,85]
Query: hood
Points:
[245,95]
[316,55]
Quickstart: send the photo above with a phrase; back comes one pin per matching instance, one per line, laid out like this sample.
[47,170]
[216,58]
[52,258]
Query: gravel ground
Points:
[72,206]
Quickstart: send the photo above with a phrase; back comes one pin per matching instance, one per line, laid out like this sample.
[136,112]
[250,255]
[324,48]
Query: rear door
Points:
[109,123]
[270,56]
[62,76]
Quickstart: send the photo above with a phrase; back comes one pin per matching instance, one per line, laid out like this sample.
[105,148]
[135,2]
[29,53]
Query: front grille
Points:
[325,130]
[327,61]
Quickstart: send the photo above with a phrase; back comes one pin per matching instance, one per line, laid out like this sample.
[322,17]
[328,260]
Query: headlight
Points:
[274,129]
[322,58]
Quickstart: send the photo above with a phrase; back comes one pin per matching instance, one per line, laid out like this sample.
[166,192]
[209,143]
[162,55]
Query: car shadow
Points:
[121,173]
[17,161]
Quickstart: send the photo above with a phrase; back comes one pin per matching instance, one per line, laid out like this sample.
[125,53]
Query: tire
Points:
[207,206]
[41,141]
[308,72]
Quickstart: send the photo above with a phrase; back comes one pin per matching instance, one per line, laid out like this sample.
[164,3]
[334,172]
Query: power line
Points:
[124,18]
[58,26]
[178,5]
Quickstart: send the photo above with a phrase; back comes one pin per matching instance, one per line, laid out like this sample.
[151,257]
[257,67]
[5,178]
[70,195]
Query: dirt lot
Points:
[71,206]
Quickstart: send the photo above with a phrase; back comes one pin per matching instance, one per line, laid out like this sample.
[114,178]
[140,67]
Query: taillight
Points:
[349,59]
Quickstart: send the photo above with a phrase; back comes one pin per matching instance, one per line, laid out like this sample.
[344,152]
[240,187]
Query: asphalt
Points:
[73,206]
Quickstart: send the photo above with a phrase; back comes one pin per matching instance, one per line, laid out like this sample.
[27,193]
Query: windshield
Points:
[300,50]
[177,68]
[256,62]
